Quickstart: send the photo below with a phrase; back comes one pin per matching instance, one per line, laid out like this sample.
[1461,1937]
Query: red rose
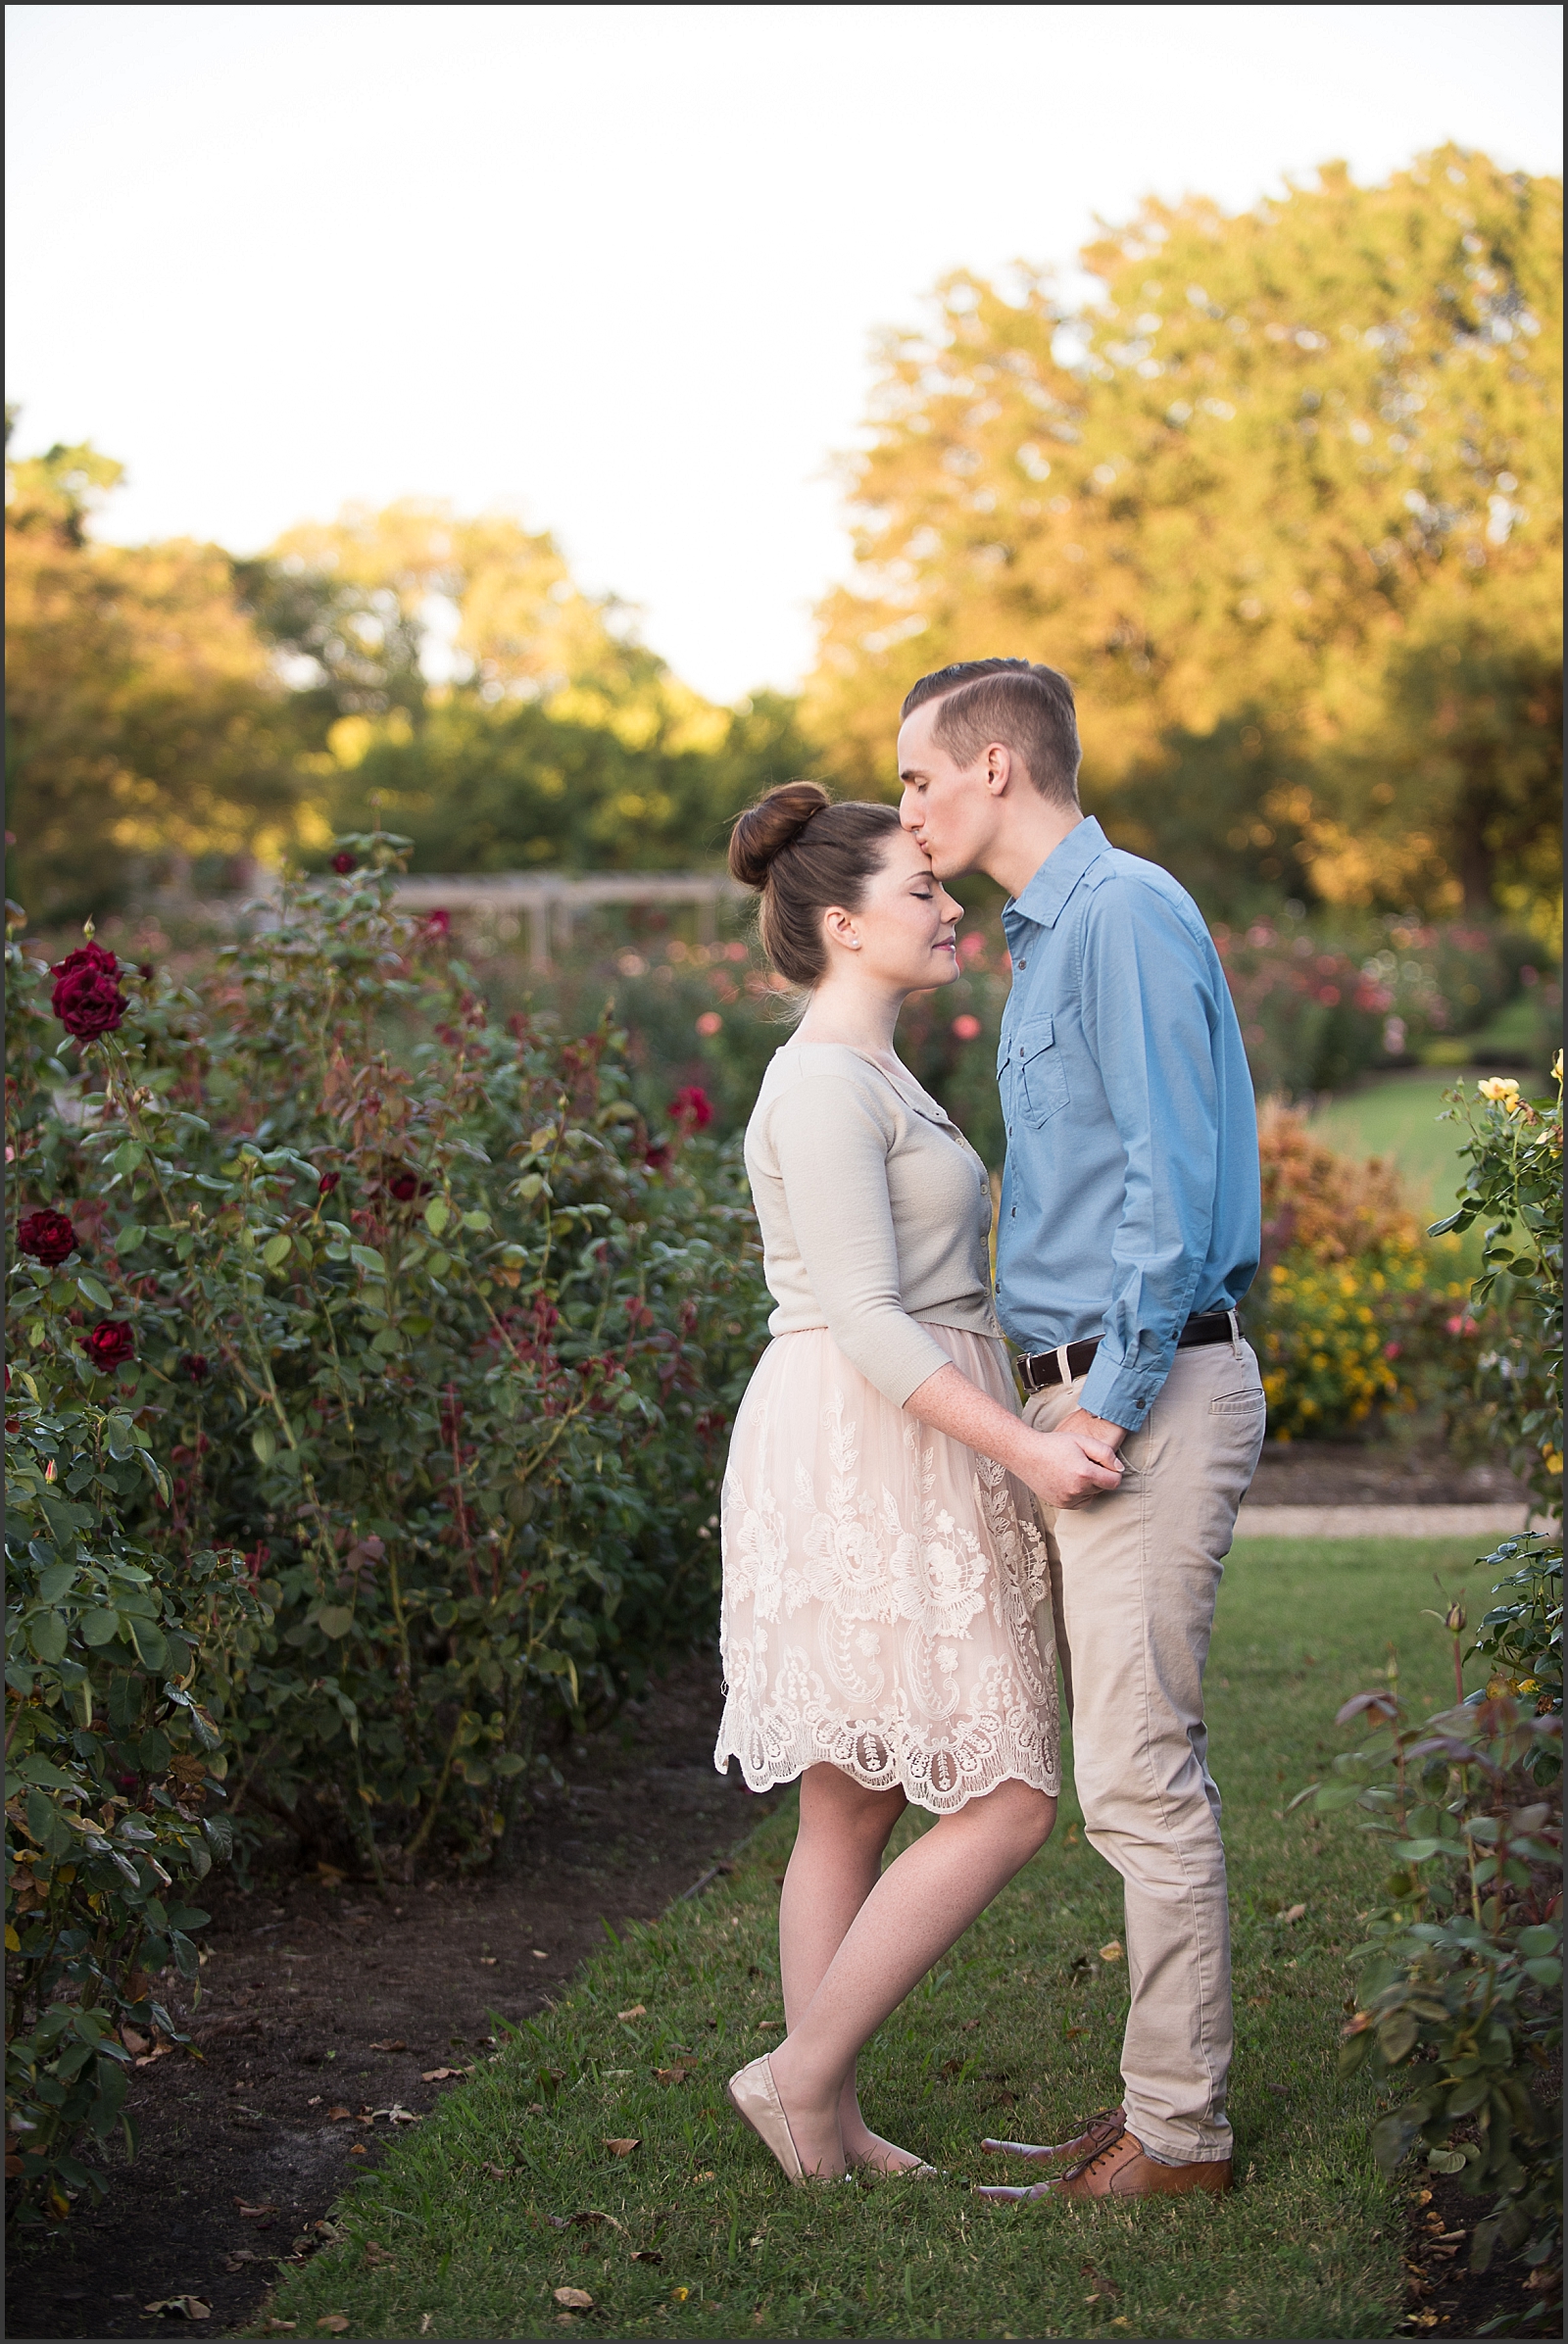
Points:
[110,1344]
[86,999]
[658,1157]
[196,1367]
[327,1183]
[404,1186]
[692,1106]
[48,1237]
[343,864]
[438,924]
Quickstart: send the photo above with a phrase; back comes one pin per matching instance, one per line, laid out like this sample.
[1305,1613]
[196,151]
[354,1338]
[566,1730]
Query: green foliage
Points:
[434,1329]
[1459,1995]
[516,785]
[1515,1174]
[1520,1638]
[114,1764]
[1462,1971]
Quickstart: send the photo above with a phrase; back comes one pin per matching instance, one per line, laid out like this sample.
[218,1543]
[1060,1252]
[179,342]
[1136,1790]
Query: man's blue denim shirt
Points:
[1131,1196]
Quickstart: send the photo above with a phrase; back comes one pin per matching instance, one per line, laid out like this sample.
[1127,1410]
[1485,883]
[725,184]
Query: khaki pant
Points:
[1134,1578]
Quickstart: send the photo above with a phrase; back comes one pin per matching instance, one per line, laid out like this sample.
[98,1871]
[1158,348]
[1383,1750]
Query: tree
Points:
[143,717]
[1254,496]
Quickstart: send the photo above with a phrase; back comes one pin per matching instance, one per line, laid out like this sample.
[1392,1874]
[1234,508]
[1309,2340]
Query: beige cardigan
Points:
[875,1212]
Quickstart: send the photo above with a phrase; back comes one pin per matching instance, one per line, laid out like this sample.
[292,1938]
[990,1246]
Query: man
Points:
[1129,1232]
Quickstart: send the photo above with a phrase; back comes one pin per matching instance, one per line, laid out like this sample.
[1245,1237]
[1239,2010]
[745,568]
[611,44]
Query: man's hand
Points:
[1064,1470]
[1086,1428]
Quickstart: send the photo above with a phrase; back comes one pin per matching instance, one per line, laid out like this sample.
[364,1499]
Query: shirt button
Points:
[1023,965]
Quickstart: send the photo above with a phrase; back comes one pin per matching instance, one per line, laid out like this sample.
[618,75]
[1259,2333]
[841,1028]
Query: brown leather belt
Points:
[1041,1371]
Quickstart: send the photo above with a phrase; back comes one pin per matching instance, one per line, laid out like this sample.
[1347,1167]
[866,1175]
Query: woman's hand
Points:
[1069,1469]
[1063,1469]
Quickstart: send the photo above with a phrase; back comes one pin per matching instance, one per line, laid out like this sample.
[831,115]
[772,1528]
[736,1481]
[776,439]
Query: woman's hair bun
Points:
[764,830]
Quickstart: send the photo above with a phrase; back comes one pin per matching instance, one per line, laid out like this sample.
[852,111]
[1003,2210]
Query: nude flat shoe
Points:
[753,2096]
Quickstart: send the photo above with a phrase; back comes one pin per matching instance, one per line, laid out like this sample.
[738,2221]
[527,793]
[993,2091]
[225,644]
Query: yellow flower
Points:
[1502,1090]
[1556,1069]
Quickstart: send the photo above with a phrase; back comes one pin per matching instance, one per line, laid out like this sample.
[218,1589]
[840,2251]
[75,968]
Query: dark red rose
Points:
[146,969]
[110,1344]
[438,924]
[196,1367]
[48,1237]
[327,1183]
[86,999]
[693,1108]
[344,864]
[658,1157]
[404,1186]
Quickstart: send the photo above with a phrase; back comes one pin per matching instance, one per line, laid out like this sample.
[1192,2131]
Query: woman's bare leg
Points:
[835,1864]
[918,1907]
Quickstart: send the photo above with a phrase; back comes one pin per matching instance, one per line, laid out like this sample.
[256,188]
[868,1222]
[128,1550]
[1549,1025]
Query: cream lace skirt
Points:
[887,1602]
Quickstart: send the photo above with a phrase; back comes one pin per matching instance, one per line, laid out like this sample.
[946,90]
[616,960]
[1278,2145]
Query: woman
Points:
[886,1627]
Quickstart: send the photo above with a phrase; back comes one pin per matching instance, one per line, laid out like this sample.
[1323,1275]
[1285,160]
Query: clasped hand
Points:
[1069,1469]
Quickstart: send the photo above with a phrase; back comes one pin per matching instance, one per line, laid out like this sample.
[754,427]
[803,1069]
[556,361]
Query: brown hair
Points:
[1026,707]
[806,854]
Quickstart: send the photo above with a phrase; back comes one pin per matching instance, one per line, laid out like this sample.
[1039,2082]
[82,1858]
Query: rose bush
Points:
[402,1282]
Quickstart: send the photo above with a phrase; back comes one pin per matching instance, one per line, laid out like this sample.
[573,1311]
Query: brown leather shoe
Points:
[1104,2126]
[1121,2169]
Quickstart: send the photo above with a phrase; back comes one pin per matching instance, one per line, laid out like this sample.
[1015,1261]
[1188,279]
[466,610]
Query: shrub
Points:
[114,1765]
[1459,1994]
[1515,1174]
[1347,1313]
[1460,1985]
[432,1327]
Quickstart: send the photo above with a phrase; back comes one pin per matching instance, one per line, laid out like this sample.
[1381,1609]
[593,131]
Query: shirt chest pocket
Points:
[1037,1079]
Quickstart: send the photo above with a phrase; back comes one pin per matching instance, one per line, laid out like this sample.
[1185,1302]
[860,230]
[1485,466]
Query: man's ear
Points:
[999,769]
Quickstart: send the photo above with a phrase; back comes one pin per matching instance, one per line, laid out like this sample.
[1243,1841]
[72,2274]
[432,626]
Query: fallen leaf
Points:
[1111,1952]
[180,2306]
[487,1961]
[499,2170]
[442,2075]
[638,2010]
[135,2044]
[426,2318]
[539,1954]
[647,2254]
[333,2322]
[375,2254]
[701,2176]
[1293,1913]
[359,2149]
[679,2294]
[1071,2034]
[622,2148]
[768,2026]
[253,2213]
[315,2101]
[970,2026]
[335,2116]
[397,2045]
[575,2299]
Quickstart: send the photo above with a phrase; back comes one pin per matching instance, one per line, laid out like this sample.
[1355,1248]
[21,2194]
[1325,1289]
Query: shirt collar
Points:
[1044,898]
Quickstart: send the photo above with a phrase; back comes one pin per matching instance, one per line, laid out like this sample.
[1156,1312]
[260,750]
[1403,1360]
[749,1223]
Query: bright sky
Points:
[619,268]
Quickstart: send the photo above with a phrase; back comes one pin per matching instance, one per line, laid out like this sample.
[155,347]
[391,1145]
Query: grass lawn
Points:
[1399,1119]
[508,2191]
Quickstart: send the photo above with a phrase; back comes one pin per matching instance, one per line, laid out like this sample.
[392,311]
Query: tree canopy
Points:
[1285,501]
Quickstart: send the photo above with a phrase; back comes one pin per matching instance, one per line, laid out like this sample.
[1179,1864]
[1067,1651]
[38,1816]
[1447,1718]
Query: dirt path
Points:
[317,1998]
